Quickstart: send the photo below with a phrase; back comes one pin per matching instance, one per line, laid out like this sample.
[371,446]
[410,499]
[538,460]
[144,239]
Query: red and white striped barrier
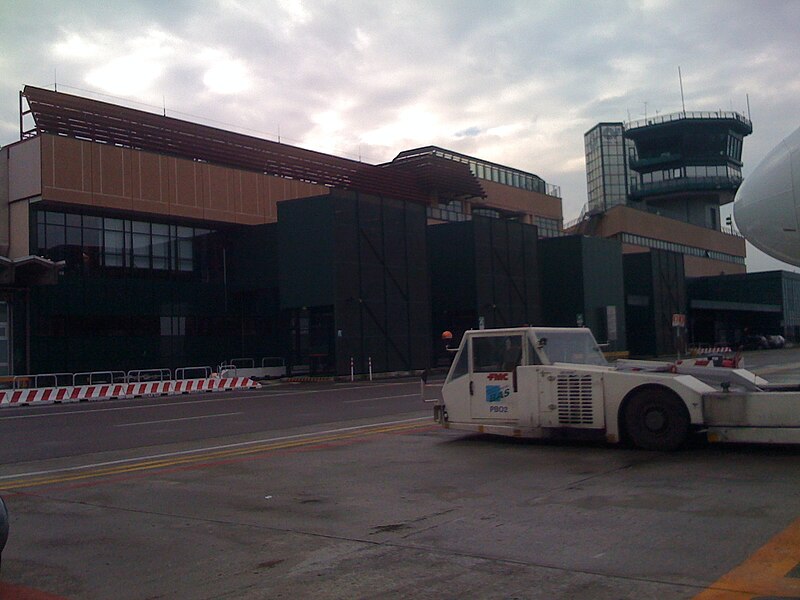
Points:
[712,350]
[108,391]
[732,362]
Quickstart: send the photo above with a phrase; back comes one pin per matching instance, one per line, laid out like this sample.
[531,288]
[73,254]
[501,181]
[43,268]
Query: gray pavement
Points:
[381,503]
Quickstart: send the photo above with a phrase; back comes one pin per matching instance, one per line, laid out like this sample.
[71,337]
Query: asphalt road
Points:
[64,430]
[350,491]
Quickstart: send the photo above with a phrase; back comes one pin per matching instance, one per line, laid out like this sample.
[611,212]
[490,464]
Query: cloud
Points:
[128,68]
[516,82]
[74,46]
[223,73]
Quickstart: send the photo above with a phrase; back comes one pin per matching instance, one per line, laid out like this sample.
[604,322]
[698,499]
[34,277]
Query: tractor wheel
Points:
[656,419]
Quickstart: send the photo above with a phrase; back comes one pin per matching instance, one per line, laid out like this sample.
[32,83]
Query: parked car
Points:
[776,341]
[755,342]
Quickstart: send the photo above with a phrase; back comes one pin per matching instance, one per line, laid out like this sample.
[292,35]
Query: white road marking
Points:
[211,448]
[378,398]
[181,419]
[109,409]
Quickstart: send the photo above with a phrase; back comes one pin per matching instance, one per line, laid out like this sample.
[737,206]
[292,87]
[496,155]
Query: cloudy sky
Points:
[517,83]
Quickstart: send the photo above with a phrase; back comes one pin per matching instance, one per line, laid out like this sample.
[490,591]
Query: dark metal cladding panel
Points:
[669,297]
[654,291]
[532,276]
[561,263]
[383,302]
[305,234]
[480,270]
[501,286]
[638,277]
[748,288]
[452,266]
[773,307]
[516,262]
[516,275]
[252,257]
[394,239]
[604,290]
[418,285]
[73,331]
[506,272]
[347,283]
[484,278]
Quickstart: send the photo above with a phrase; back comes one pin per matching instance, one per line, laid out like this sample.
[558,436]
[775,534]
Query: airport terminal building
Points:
[140,240]
[133,240]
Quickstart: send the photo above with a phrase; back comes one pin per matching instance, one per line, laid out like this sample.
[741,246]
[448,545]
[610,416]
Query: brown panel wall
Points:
[146,183]
[511,198]
[629,220]
[18,218]
[91,174]
[24,170]
[70,173]
[248,194]
[4,220]
[186,192]
[112,170]
[694,266]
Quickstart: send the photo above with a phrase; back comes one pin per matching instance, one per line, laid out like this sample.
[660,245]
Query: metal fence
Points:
[53,380]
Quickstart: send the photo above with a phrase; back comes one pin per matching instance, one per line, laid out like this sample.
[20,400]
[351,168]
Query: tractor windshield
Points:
[576,346]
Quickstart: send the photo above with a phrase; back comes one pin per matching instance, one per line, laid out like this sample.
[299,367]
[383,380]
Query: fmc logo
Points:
[498,376]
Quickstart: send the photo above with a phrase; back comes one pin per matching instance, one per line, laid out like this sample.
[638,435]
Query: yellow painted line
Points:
[149,465]
[765,573]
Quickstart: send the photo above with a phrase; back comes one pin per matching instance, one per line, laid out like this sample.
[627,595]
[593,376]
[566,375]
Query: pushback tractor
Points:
[555,382]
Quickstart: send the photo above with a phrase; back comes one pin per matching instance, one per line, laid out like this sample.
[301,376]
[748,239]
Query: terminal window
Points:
[94,242]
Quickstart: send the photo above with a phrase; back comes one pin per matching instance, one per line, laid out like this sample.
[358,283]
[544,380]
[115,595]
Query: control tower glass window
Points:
[606,166]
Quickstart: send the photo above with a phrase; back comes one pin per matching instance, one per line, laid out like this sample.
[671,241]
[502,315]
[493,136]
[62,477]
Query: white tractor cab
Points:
[543,382]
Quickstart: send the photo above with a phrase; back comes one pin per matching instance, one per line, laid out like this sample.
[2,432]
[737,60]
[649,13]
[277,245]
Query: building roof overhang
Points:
[446,179]
[81,118]
[28,271]
[688,121]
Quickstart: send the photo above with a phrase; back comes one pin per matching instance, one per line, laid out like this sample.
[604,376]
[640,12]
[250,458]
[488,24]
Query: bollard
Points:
[352,369]
[370,368]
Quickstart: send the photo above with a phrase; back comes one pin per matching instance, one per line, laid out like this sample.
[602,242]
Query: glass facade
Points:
[493,172]
[548,227]
[454,212]
[607,173]
[450,211]
[92,243]
[142,293]
[693,172]
[688,152]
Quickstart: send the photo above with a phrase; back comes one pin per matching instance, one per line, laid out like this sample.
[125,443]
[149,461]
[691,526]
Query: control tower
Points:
[688,164]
